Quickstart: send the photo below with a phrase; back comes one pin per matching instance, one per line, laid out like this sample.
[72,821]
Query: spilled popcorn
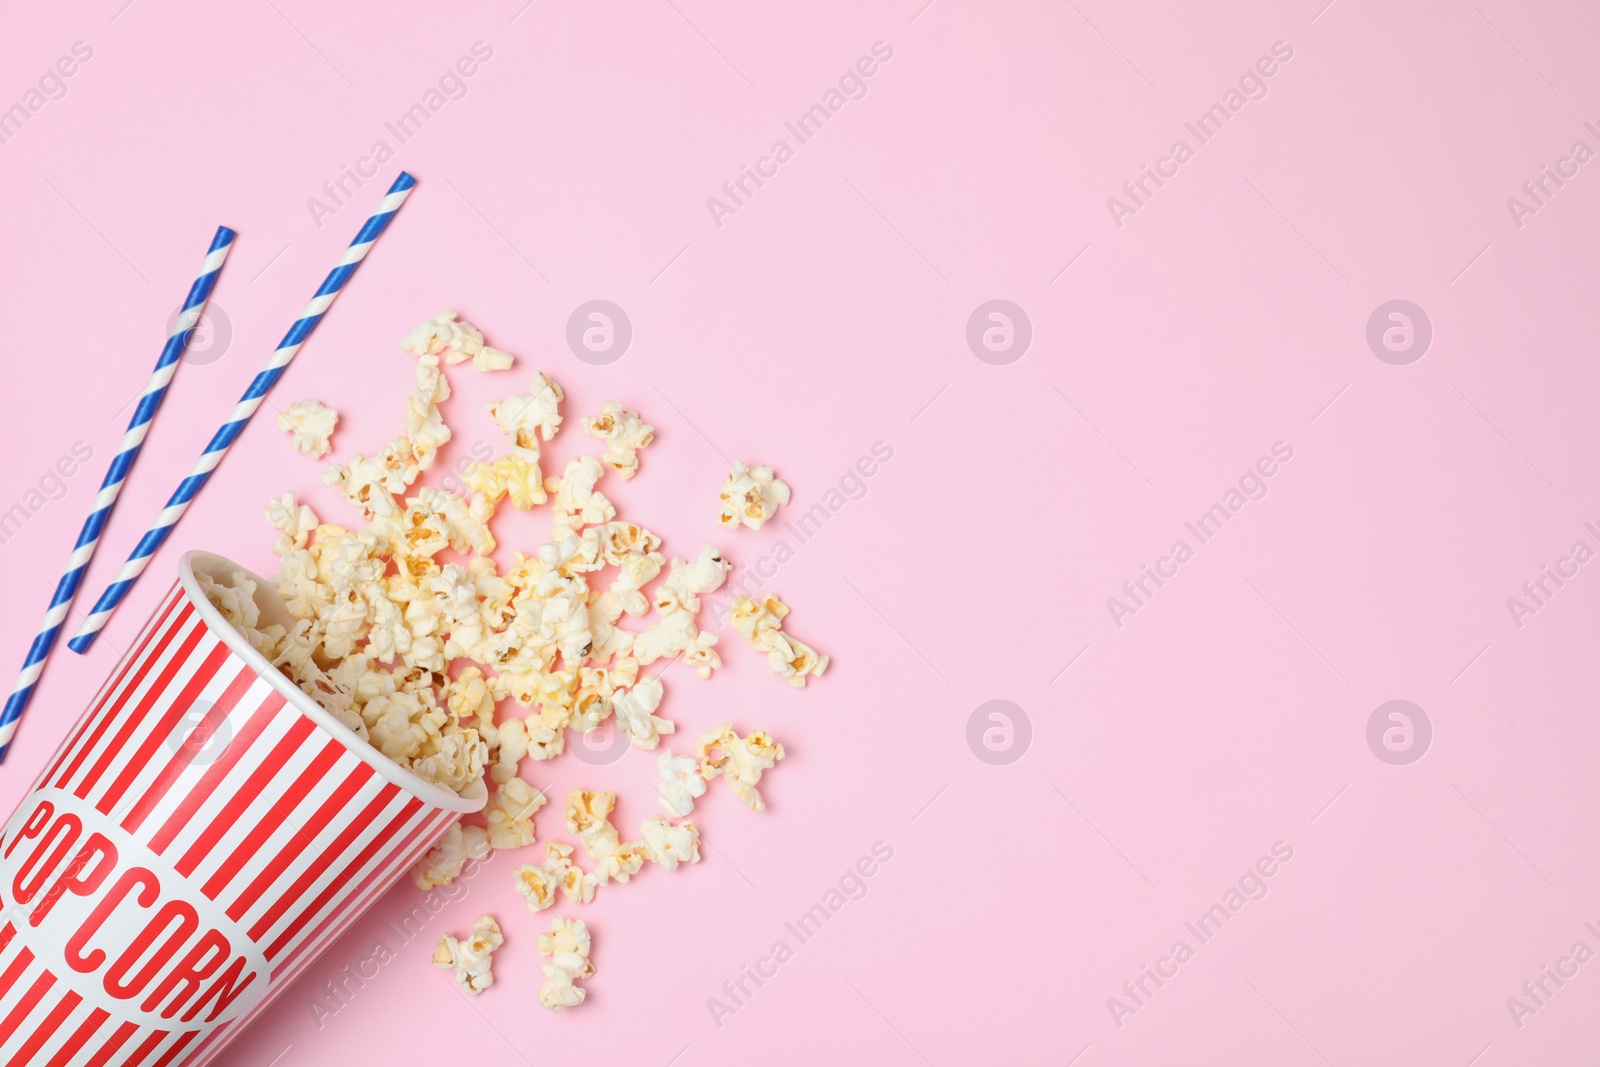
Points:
[310,426]
[760,623]
[739,761]
[471,959]
[680,783]
[670,844]
[448,857]
[589,816]
[538,884]
[751,496]
[567,945]
[625,435]
[460,668]
[448,337]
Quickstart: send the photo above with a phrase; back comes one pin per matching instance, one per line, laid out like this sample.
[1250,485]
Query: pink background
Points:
[830,313]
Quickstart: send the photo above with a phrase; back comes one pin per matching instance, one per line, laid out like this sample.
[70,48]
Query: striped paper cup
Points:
[205,832]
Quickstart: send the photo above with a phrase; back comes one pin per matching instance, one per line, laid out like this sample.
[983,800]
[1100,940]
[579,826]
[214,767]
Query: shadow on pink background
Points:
[1174,343]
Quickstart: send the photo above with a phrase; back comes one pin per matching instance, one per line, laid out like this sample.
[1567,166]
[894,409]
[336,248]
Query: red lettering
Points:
[83,962]
[60,838]
[188,920]
[74,880]
[174,966]
[203,958]
[225,989]
[36,821]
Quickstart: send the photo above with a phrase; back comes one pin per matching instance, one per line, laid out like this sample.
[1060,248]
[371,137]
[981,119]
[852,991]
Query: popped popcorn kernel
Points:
[578,503]
[471,959]
[739,761]
[588,815]
[751,496]
[514,476]
[538,884]
[670,844]
[447,336]
[444,862]
[619,863]
[457,759]
[567,944]
[293,520]
[701,655]
[636,716]
[625,435]
[469,700]
[680,783]
[760,623]
[510,814]
[310,426]
[526,419]
[235,598]
[677,604]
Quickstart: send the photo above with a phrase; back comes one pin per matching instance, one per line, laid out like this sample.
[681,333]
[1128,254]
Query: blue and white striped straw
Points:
[149,400]
[253,396]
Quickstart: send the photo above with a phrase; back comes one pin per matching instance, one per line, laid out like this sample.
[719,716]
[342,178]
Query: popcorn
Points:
[589,816]
[455,340]
[701,655]
[236,600]
[567,944]
[625,435]
[510,814]
[691,580]
[670,636]
[635,716]
[760,623]
[680,783]
[792,659]
[538,884]
[444,862]
[669,844]
[525,419]
[411,634]
[740,761]
[310,425]
[577,502]
[457,761]
[400,725]
[632,549]
[756,619]
[468,698]
[514,476]
[471,959]
[508,747]
[618,863]
[372,484]
[426,432]
[751,496]
[677,603]
[293,521]
[608,641]
[595,700]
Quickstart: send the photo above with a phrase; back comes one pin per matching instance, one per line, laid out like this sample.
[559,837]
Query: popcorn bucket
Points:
[205,832]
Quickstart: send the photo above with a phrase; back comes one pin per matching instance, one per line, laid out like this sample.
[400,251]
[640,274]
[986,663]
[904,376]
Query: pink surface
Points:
[830,311]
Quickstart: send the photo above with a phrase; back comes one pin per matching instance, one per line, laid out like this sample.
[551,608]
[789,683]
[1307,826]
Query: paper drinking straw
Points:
[253,396]
[89,537]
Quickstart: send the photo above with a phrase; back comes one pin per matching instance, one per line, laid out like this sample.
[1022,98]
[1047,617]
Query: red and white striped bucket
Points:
[205,832]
